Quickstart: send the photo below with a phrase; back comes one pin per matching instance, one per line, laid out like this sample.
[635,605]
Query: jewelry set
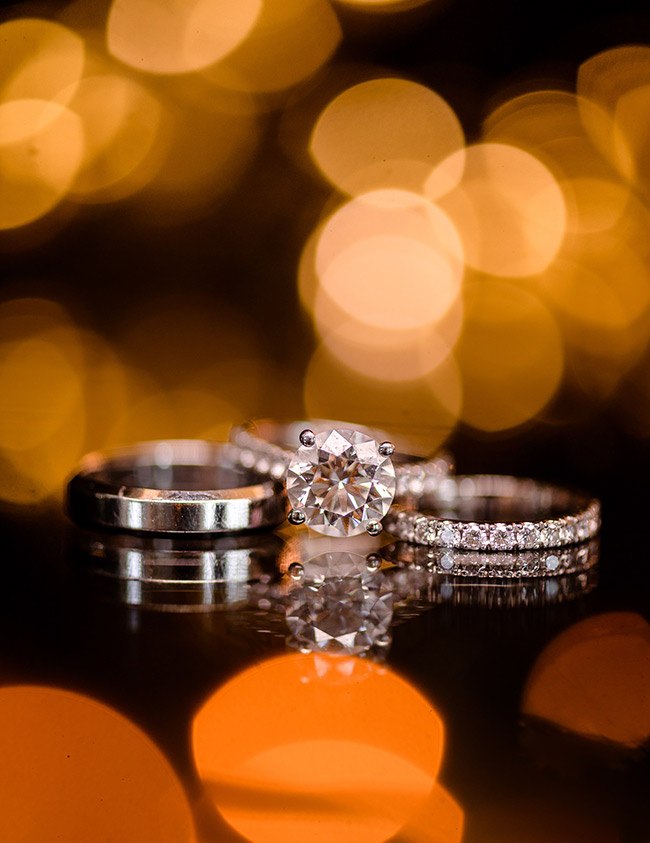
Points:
[339,481]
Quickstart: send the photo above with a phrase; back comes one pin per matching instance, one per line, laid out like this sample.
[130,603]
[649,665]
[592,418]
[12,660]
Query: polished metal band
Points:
[496,513]
[174,486]
[267,447]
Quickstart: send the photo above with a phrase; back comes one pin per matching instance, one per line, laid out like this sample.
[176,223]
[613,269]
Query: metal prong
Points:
[296,517]
[296,571]
[387,449]
[373,528]
[307,438]
[373,562]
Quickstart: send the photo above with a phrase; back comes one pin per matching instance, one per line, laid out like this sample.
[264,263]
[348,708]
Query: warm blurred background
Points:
[429,216]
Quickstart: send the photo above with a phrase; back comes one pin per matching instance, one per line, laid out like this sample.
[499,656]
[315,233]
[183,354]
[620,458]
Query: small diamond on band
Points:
[581,522]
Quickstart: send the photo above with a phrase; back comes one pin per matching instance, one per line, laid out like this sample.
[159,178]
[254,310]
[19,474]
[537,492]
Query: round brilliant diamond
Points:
[341,482]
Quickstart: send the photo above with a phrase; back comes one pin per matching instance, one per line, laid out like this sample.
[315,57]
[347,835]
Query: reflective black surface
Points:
[155,639]
[155,652]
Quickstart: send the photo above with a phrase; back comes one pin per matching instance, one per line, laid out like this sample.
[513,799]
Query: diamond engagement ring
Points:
[340,481]
[496,513]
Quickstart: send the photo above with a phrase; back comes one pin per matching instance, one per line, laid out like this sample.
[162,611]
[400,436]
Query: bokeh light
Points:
[120,121]
[510,355]
[42,420]
[390,259]
[74,769]
[549,125]
[418,414]
[39,60]
[387,354]
[632,134]
[178,36]
[440,819]
[384,133]
[41,389]
[204,146]
[508,208]
[603,81]
[67,391]
[594,680]
[41,150]
[41,139]
[290,41]
[607,284]
[597,285]
[363,279]
[358,775]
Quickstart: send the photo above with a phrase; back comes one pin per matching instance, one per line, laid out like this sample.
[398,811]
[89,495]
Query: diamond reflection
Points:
[341,606]
[346,602]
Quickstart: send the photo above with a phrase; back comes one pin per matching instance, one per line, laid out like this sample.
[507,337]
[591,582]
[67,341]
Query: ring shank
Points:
[502,498]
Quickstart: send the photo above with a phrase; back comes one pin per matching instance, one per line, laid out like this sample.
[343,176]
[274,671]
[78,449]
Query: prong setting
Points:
[348,463]
[373,562]
[296,571]
[296,517]
[373,528]
[387,449]
[307,438]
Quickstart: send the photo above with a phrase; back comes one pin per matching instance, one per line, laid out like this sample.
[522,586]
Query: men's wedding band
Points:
[174,486]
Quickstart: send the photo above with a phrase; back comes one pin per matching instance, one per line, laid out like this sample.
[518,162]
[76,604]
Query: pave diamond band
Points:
[495,513]
[340,481]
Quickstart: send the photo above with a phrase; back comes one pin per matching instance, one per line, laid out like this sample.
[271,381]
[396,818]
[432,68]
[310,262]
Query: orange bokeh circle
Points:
[74,769]
[312,747]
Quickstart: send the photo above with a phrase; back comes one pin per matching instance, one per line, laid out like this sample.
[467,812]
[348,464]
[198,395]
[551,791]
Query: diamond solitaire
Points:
[340,482]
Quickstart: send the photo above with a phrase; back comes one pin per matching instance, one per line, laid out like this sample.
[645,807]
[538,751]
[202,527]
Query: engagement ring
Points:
[340,481]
